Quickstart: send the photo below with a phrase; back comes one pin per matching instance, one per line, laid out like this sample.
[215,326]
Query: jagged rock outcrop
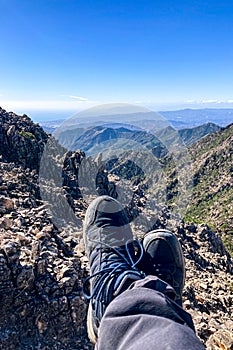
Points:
[21,141]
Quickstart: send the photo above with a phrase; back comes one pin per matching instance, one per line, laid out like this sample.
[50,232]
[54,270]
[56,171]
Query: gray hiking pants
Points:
[144,318]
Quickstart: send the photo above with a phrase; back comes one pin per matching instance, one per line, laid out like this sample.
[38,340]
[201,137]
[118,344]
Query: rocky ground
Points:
[41,277]
[43,263]
[43,268]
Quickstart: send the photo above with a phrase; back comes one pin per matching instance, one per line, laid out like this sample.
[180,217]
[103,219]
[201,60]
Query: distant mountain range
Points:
[179,119]
[96,139]
[193,117]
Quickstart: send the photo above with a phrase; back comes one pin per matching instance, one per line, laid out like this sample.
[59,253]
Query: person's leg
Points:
[144,318]
[126,309]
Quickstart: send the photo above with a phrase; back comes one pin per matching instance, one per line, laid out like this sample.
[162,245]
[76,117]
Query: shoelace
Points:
[116,264]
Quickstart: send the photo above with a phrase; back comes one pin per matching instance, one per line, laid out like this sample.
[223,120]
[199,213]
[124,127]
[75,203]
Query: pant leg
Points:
[145,318]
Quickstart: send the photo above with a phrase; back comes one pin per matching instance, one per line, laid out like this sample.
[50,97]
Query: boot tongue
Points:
[115,236]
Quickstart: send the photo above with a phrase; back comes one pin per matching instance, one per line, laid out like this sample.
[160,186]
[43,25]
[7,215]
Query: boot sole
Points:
[90,327]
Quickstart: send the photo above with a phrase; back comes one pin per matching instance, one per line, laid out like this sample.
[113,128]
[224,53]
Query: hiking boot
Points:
[110,249]
[163,257]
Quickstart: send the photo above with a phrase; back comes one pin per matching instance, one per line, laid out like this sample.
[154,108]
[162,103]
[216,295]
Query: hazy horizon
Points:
[43,115]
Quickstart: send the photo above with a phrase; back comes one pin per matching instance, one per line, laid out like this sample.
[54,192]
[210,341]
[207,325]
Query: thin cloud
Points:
[77,98]
[210,101]
[217,101]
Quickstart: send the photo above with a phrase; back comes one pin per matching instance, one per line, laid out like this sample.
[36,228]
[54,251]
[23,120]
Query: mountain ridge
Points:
[88,139]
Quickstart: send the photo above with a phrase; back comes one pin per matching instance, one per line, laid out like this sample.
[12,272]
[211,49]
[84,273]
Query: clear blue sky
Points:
[66,54]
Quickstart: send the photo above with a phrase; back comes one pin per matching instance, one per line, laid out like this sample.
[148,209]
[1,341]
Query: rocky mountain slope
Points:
[43,264]
[190,136]
[213,183]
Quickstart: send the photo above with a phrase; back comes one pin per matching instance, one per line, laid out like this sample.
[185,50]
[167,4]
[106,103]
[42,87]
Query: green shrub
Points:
[27,134]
